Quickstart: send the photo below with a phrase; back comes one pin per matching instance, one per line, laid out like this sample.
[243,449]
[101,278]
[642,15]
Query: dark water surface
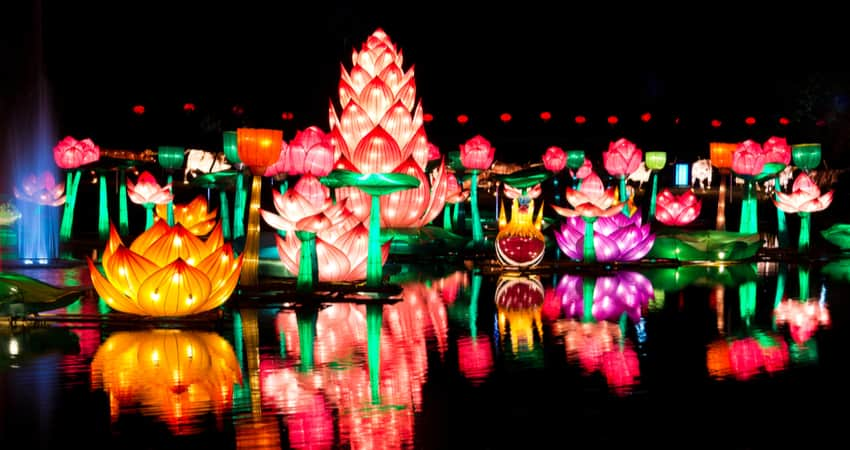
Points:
[740,356]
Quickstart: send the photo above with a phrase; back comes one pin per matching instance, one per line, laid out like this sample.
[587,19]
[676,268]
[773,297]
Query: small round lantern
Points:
[806,156]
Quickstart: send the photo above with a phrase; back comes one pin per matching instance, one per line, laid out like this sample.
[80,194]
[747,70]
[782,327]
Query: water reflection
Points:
[176,375]
[596,312]
[451,355]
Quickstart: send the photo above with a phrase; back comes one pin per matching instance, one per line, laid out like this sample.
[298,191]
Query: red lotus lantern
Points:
[677,210]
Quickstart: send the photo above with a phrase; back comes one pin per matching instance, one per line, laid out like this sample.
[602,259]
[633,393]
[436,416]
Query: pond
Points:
[746,355]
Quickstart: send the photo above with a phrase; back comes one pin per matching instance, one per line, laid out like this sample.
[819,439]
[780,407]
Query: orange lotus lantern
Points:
[258,149]
[194,215]
[166,272]
[178,375]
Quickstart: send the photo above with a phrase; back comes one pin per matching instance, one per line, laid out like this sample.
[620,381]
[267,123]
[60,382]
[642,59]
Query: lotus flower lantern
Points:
[71,154]
[258,149]
[380,129]
[166,272]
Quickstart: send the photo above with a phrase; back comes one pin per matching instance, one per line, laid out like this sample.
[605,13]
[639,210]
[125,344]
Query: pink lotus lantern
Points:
[476,155]
[621,160]
[747,162]
[380,129]
[777,150]
[590,201]
[804,199]
[434,152]
[341,239]
[617,238]
[555,159]
[677,210]
[455,195]
[70,154]
[41,190]
[147,192]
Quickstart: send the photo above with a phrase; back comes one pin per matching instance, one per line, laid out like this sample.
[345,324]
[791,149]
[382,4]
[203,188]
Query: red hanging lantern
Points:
[462,119]
[715,123]
[427,117]
[646,117]
[189,107]
[581,120]
[750,121]
[138,110]
[784,121]
[545,116]
[613,120]
[505,117]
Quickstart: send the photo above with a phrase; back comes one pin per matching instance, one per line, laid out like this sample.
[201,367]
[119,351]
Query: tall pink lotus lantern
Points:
[476,155]
[621,160]
[147,192]
[753,162]
[380,130]
[70,154]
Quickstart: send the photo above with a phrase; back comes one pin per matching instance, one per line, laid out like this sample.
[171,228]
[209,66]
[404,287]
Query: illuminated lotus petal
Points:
[676,210]
[804,197]
[622,158]
[583,171]
[291,207]
[70,153]
[42,190]
[592,191]
[749,158]
[454,191]
[167,271]
[352,246]
[147,190]
[777,150]
[477,153]
[193,215]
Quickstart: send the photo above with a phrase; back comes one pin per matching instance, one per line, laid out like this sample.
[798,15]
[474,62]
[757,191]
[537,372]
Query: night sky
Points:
[101,58]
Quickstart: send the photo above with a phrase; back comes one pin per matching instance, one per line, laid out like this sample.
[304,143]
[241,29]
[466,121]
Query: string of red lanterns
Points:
[505,117]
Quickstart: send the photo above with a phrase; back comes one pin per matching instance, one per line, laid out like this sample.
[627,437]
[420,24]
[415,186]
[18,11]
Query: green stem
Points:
[589,249]
[72,182]
[374,323]
[103,216]
[239,207]
[781,225]
[652,198]
[624,195]
[447,217]
[123,211]
[588,286]
[284,185]
[803,275]
[477,229]
[149,215]
[780,285]
[171,203]
[374,263]
[306,319]
[747,294]
[747,215]
[225,214]
[473,302]
[308,266]
[805,231]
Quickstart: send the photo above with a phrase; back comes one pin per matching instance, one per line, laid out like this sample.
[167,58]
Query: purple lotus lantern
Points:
[623,292]
[617,238]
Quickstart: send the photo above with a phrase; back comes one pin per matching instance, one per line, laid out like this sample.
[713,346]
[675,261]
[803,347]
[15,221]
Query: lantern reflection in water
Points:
[340,380]
[177,375]
[519,301]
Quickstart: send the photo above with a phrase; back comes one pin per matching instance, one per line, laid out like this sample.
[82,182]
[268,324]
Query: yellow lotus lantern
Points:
[194,216]
[166,272]
[178,375]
